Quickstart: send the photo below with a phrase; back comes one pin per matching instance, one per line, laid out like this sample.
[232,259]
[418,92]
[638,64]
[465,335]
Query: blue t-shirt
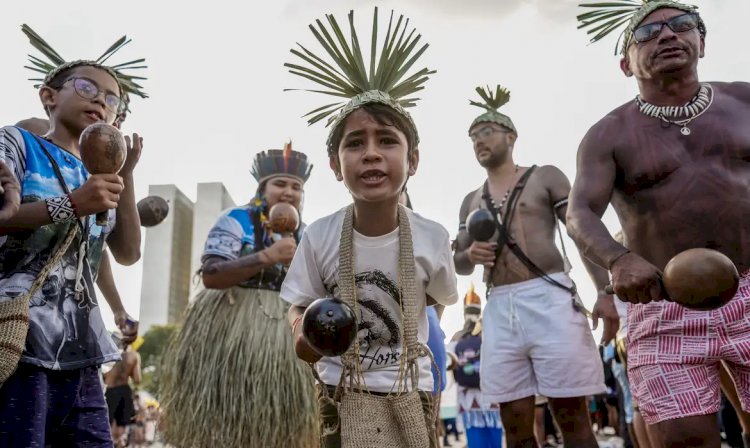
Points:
[233,236]
[66,330]
[468,350]
[436,343]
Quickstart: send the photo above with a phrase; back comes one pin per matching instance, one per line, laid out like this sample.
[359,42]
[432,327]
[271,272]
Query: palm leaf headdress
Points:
[604,18]
[345,75]
[55,63]
[491,102]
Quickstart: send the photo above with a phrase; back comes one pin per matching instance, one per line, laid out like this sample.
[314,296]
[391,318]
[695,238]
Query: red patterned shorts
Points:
[674,355]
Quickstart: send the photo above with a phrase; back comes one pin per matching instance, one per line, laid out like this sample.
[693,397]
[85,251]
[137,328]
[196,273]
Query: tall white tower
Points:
[212,199]
[165,288]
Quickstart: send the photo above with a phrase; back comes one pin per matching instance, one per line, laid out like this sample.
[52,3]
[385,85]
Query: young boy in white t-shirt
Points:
[375,153]
[372,148]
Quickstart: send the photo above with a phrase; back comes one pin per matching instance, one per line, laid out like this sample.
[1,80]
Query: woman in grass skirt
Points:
[231,377]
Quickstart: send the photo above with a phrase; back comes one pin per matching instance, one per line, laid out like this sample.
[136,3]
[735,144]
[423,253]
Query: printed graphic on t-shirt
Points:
[379,319]
[66,330]
[314,274]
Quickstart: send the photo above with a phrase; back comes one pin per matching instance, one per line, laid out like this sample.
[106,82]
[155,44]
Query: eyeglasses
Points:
[484,133]
[87,89]
[678,24]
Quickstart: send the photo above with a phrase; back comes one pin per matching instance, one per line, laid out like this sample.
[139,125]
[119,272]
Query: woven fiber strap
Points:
[395,420]
[407,283]
[14,313]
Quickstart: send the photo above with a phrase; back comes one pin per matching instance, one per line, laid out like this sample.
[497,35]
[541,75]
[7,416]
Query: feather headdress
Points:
[472,302]
[491,102]
[54,64]
[281,162]
[604,18]
[346,76]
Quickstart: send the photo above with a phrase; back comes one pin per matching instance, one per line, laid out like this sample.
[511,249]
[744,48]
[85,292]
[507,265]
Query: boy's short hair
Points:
[384,115]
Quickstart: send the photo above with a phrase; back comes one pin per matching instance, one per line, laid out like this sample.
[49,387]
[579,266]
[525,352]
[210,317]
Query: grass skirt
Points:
[230,377]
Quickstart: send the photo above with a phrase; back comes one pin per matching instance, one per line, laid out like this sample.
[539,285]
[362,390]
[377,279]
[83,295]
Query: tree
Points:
[155,342]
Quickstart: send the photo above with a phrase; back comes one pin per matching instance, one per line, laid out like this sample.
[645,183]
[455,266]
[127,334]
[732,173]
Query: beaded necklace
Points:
[499,207]
[680,115]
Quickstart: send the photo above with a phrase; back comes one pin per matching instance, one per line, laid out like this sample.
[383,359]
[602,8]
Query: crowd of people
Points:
[328,334]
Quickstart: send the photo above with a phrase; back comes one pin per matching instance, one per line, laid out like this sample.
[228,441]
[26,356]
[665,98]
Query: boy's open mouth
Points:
[373,176]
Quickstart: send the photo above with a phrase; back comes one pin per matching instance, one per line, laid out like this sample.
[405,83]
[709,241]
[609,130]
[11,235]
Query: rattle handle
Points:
[102,219]
[609,289]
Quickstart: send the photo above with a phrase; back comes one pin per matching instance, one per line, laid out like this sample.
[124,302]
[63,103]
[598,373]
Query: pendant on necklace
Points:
[685,130]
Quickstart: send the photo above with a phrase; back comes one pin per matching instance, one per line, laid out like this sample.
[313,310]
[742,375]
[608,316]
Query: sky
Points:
[216,81]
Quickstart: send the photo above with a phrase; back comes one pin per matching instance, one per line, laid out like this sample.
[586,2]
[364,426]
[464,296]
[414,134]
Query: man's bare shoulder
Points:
[470,195]
[554,181]
[468,200]
[615,117]
[604,134]
[551,173]
[739,90]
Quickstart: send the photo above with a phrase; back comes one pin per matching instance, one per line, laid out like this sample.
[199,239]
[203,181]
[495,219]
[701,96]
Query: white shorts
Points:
[535,343]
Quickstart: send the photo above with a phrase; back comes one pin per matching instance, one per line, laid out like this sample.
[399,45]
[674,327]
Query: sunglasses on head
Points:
[678,24]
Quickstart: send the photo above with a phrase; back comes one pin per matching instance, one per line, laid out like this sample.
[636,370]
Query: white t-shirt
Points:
[314,274]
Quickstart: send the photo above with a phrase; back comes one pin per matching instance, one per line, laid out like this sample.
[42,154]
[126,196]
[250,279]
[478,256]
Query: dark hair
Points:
[57,82]
[59,79]
[384,115]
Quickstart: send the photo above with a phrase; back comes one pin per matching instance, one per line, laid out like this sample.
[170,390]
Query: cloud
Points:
[38,178]
[562,10]
[39,185]
[71,174]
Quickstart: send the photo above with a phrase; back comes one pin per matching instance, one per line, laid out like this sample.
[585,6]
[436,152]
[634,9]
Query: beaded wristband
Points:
[75,206]
[60,209]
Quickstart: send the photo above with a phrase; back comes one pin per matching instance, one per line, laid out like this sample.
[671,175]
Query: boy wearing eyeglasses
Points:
[673,164]
[55,394]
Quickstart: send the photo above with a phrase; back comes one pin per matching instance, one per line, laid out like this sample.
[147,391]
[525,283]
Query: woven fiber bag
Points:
[14,314]
[395,420]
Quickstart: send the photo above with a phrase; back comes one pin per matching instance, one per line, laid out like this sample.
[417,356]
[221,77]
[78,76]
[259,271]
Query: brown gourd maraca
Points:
[103,151]
[152,210]
[481,227]
[480,224]
[701,279]
[329,326]
[283,218]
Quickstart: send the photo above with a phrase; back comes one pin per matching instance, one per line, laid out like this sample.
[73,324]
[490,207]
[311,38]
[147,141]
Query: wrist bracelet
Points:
[611,263]
[60,209]
[75,207]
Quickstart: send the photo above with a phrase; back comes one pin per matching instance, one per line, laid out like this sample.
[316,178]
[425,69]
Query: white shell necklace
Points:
[680,115]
